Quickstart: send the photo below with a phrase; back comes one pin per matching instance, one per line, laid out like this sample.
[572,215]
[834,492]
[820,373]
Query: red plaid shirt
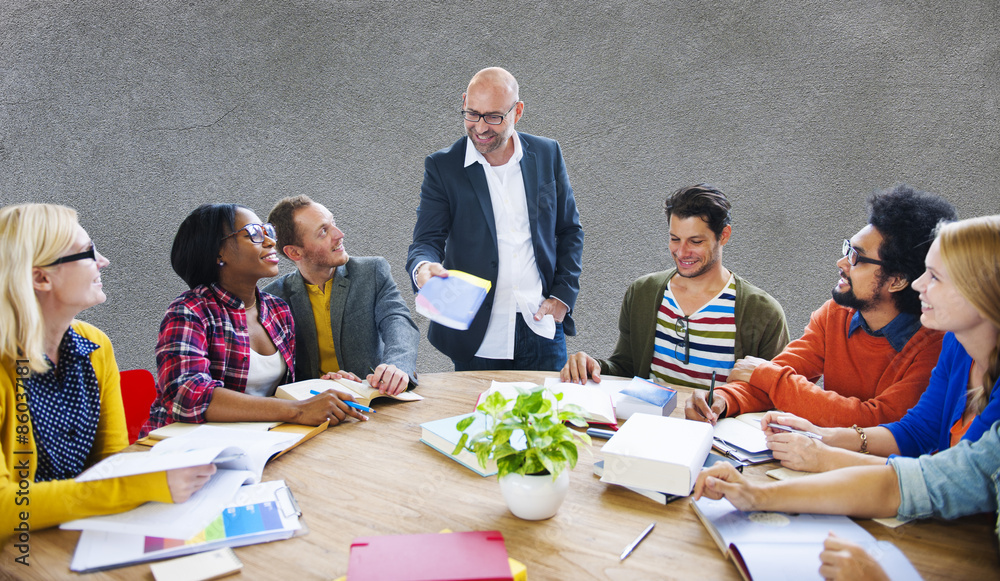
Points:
[204,344]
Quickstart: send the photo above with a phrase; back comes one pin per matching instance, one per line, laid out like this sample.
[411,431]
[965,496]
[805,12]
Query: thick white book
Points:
[657,453]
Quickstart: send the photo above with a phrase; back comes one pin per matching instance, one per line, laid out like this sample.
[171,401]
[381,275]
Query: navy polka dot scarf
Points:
[65,405]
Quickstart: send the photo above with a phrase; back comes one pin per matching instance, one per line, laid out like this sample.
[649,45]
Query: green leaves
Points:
[527,435]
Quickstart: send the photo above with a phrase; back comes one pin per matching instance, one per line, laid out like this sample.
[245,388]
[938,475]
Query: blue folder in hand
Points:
[452,301]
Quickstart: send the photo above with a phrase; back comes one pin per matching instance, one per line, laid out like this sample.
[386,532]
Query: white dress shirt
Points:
[519,285]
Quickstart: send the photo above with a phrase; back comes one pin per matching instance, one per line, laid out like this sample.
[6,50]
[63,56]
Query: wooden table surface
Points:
[376,478]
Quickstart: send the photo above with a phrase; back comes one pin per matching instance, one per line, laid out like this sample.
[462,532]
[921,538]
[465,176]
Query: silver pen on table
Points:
[628,550]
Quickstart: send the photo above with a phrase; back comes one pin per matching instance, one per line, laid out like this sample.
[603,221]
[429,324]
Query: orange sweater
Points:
[865,381]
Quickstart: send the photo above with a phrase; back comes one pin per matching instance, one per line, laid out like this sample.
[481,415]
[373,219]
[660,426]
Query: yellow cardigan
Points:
[45,504]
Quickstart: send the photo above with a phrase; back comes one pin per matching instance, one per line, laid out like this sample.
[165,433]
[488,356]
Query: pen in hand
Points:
[792,430]
[349,403]
[711,391]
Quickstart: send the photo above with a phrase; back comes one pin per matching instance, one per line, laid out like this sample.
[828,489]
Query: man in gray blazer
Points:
[349,316]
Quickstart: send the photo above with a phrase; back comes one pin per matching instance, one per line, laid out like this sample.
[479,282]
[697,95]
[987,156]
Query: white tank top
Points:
[266,372]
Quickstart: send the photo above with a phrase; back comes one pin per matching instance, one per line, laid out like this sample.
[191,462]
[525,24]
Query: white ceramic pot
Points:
[534,497]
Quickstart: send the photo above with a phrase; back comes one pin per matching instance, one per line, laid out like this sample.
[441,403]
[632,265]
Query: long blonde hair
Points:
[31,235]
[970,251]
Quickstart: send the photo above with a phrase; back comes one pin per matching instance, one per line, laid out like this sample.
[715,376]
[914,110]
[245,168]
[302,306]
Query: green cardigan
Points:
[761,330]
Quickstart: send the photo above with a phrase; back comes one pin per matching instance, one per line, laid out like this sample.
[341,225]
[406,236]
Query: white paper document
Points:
[596,405]
[245,450]
[259,513]
[741,434]
[174,521]
[625,405]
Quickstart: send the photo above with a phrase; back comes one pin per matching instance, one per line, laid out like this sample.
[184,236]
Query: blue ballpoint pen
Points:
[349,403]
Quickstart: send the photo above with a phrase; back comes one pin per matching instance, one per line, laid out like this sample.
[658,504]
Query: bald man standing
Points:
[498,204]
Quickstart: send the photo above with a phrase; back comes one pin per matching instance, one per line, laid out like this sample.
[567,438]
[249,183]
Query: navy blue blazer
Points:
[456,227]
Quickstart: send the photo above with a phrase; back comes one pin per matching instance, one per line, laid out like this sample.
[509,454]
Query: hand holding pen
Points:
[797,443]
[775,422]
[350,403]
[703,406]
[326,406]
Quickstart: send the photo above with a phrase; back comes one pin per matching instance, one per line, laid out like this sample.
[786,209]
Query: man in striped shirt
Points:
[680,325]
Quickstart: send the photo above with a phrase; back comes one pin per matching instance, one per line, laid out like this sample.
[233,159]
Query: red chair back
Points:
[138,393]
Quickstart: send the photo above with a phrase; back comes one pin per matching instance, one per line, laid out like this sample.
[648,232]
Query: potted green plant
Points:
[532,446]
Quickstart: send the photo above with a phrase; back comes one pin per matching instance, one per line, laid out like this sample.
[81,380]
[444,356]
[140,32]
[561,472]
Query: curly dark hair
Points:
[906,218]
[702,200]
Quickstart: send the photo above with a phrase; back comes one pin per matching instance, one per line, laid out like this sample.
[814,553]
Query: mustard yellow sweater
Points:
[45,504]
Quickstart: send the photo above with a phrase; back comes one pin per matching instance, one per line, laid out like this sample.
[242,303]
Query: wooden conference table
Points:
[376,478]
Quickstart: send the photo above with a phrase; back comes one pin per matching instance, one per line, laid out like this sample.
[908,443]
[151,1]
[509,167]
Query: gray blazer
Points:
[371,323]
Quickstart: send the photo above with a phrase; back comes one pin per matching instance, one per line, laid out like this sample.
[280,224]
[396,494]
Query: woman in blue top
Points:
[960,294]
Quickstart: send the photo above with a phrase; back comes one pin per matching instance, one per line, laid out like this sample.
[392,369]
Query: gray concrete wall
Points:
[136,112]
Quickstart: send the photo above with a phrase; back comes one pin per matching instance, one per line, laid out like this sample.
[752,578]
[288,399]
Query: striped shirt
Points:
[688,348]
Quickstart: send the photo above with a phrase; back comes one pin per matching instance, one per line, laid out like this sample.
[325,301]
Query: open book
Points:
[625,405]
[596,405]
[363,392]
[776,545]
[226,448]
[239,455]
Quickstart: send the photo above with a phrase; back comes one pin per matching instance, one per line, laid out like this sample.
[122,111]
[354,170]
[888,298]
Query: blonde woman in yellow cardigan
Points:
[60,399]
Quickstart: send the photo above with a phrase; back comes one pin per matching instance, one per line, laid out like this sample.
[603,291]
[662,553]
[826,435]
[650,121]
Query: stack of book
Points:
[657,453]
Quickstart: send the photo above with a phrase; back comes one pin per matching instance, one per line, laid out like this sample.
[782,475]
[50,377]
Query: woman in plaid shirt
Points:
[225,333]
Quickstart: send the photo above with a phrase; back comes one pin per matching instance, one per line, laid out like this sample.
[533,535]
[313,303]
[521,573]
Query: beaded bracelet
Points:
[864,438]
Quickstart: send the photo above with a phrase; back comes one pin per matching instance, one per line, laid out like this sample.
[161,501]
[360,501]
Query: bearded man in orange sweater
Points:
[866,343]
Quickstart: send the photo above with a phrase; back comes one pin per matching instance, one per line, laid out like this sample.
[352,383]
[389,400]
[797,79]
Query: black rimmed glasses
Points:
[489,118]
[683,331]
[854,258]
[90,253]
[257,232]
